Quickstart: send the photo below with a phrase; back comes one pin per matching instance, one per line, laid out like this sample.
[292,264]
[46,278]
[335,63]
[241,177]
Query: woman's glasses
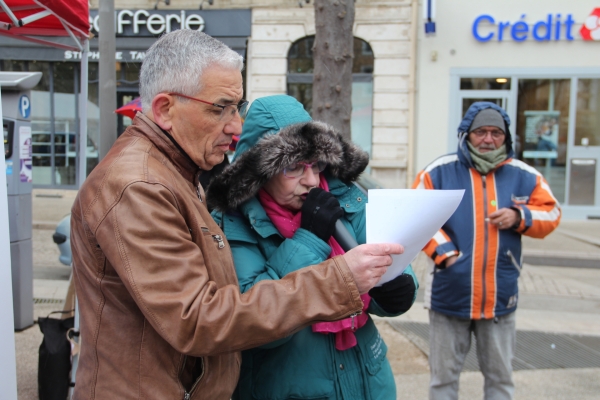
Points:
[227,112]
[297,170]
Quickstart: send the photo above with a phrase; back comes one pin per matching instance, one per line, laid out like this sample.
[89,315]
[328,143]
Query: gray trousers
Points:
[449,343]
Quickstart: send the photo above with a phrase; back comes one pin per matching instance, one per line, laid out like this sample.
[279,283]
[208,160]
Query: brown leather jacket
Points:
[162,316]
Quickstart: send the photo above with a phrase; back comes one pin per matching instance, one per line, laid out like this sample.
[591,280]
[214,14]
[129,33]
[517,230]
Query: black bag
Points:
[54,366]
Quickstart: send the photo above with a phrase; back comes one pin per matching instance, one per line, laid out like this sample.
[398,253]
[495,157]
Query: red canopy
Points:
[131,108]
[25,19]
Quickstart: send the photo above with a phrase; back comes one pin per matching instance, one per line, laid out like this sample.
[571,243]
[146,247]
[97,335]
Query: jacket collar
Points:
[145,127]
[254,212]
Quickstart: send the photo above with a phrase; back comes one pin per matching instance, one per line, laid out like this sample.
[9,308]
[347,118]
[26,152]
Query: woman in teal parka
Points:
[277,222]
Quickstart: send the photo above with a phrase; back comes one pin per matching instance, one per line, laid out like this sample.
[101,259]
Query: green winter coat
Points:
[304,365]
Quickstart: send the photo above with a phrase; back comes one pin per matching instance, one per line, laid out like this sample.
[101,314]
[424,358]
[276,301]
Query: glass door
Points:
[543,118]
[584,154]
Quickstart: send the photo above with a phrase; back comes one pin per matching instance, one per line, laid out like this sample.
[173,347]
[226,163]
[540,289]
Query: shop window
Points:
[13,65]
[542,128]
[132,72]
[42,127]
[587,127]
[65,123]
[300,78]
[500,83]
[300,57]
[303,93]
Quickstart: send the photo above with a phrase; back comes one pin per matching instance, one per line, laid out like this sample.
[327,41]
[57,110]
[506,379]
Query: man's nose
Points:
[234,126]
[488,137]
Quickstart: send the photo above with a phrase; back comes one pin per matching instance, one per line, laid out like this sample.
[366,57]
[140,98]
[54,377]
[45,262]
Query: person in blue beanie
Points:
[472,285]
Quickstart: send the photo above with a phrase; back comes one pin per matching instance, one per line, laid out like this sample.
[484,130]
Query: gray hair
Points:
[176,61]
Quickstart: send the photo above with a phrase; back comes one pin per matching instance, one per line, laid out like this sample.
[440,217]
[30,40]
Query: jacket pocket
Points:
[373,352]
[514,261]
[459,258]
[190,374]
[373,349]
[302,368]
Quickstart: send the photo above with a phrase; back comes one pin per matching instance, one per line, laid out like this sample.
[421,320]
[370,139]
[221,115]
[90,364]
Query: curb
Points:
[48,225]
[554,261]
[562,258]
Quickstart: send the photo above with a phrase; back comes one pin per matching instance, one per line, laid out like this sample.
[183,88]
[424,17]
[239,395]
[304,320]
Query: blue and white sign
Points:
[554,27]
[24,106]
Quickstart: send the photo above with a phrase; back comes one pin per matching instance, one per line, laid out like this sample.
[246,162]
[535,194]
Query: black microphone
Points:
[343,237]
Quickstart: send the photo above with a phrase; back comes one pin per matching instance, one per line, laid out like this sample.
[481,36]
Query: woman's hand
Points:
[395,296]
[368,263]
[320,211]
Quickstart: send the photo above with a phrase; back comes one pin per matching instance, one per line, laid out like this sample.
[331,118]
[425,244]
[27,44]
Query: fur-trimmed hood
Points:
[274,149]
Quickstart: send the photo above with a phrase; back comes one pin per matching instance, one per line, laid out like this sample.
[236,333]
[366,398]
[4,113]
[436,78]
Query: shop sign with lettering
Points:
[150,23]
[554,27]
[125,55]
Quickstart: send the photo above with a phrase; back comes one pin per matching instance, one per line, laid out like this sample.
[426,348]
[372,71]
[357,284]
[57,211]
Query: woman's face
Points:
[291,192]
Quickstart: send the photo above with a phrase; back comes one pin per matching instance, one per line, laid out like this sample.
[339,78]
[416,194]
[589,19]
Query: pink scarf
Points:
[287,222]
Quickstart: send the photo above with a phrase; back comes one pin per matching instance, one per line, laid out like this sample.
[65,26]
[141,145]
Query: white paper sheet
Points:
[409,217]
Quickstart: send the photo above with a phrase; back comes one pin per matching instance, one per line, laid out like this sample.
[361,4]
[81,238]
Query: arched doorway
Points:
[300,79]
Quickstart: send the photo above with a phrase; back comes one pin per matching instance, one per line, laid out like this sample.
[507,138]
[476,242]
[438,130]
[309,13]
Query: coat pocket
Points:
[514,261]
[299,369]
[373,349]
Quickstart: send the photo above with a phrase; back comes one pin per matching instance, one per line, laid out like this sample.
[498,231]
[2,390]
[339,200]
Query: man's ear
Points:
[161,110]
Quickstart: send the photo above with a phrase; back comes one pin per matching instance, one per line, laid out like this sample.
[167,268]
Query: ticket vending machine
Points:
[16,124]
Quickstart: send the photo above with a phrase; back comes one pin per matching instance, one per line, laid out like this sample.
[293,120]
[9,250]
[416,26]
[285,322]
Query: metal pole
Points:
[107,85]
[83,95]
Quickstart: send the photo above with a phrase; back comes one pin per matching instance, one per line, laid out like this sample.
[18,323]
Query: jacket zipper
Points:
[198,193]
[197,181]
[485,245]
[352,320]
[186,394]
[219,239]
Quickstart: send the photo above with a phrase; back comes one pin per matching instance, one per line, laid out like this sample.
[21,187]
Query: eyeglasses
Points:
[227,112]
[481,133]
[297,170]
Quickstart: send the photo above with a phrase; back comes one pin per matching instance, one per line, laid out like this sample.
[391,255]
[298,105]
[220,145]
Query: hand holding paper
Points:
[369,262]
[409,217]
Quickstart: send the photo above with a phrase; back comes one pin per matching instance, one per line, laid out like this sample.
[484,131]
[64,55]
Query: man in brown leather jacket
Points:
[162,316]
